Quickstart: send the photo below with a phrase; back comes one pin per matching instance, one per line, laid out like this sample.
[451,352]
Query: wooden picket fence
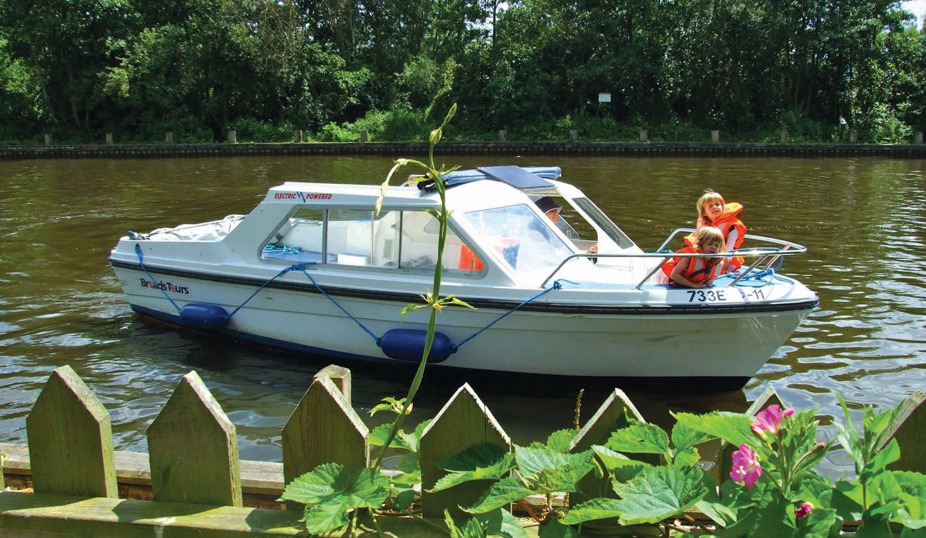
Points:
[195,475]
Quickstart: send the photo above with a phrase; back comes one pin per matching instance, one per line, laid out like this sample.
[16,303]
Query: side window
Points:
[420,233]
[299,239]
[350,237]
[393,239]
[386,239]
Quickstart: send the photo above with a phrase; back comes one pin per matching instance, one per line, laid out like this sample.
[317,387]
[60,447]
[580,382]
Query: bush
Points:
[252,130]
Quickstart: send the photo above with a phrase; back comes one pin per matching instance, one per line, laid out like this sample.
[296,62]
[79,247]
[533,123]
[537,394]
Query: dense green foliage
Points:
[772,488]
[819,68]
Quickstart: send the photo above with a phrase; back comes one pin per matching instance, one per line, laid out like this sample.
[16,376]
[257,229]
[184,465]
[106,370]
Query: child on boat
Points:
[697,272]
[713,211]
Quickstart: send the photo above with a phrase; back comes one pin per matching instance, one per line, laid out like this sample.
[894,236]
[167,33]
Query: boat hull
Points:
[544,337]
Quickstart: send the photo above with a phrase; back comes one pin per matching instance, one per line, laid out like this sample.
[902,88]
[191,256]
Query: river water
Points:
[863,220]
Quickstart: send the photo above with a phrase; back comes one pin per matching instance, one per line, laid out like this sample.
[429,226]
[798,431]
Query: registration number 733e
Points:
[720,295]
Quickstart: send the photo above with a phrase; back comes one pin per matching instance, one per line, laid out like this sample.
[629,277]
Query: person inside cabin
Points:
[552,210]
[713,211]
[693,272]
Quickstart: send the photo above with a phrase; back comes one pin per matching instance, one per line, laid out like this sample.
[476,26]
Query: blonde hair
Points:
[709,234]
[708,196]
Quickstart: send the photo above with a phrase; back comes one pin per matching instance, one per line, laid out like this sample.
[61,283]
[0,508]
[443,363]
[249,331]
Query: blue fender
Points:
[203,316]
[408,345]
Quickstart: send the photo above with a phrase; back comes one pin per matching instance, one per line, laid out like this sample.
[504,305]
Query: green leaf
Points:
[408,463]
[733,428]
[404,499]
[500,494]
[379,434]
[548,471]
[555,529]
[640,438]
[774,519]
[501,523]
[820,522]
[720,513]
[331,488]
[470,529]
[591,510]
[685,438]
[886,456]
[913,498]
[618,465]
[389,404]
[561,440]
[687,458]
[478,462]
[325,518]
[847,499]
[659,493]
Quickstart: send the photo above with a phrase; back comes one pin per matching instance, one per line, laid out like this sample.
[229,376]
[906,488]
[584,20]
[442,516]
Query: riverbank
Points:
[634,149]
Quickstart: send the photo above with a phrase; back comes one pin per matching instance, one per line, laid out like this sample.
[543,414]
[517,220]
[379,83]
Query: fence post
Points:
[109,138]
[784,136]
[169,137]
[853,137]
[644,135]
[616,412]
[715,135]
[47,139]
[919,137]
[232,137]
[340,376]
[70,440]
[502,135]
[910,432]
[193,449]
[324,428]
[573,135]
[364,135]
[297,136]
[464,421]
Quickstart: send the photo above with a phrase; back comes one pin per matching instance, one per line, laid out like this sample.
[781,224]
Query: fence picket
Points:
[910,432]
[324,428]
[615,412]
[193,449]
[341,377]
[464,421]
[70,439]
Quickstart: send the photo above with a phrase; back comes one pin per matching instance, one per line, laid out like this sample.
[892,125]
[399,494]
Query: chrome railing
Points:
[764,256]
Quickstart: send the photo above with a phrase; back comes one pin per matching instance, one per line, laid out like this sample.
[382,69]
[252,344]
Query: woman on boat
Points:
[713,211]
[697,272]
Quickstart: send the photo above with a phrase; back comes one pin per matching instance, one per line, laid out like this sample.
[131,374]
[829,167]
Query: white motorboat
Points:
[315,268]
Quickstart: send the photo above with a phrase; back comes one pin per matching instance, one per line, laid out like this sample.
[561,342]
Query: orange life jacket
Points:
[726,223]
[729,221]
[698,270]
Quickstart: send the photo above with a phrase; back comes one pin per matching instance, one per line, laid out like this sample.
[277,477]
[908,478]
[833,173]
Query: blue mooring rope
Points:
[556,285]
[323,292]
[141,264]
[302,267]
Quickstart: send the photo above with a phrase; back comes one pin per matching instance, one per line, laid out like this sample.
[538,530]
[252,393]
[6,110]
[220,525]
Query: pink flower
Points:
[803,511]
[769,419]
[746,467]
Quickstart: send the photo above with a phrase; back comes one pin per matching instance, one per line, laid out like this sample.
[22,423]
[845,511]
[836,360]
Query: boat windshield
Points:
[603,222]
[520,238]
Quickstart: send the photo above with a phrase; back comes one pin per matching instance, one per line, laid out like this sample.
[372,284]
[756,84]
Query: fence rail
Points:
[197,484]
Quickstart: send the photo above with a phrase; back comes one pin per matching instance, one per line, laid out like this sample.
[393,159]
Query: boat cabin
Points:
[491,221]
